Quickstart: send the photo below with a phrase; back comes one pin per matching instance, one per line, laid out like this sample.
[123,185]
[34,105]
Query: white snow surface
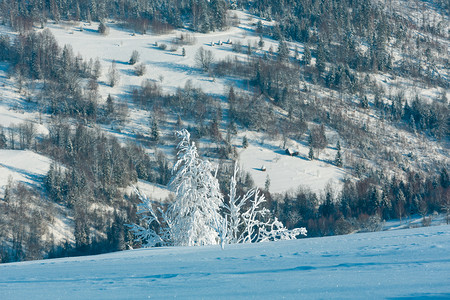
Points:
[23,166]
[286,173]
[154,191]
[402,264]
[170,66]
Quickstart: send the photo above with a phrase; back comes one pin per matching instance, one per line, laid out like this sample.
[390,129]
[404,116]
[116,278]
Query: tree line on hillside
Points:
[359,35]
[363,205]
[200,15]
[89,174]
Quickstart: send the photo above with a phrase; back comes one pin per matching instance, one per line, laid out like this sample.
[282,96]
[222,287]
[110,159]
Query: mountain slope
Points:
[411,263]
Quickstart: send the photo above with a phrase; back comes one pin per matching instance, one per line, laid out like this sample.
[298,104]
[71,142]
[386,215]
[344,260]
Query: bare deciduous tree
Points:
[204,58]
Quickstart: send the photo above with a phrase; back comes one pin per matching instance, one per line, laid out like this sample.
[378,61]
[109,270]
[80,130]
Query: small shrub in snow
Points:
[244,142]
[173,48]
[103,29]
[134,57]
[185,39]
[140,69]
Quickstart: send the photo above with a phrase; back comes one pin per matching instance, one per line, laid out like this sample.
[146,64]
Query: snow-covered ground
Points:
[403,264]
[22,166]
[154,191]
[170,68]
[285,172]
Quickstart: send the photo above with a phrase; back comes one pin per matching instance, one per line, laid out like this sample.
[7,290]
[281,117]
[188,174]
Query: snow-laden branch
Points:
[155,232]
[247,218]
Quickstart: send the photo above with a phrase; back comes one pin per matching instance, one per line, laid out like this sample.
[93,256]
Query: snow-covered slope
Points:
[287,173]
[22,166]
[412,263]
[173,70]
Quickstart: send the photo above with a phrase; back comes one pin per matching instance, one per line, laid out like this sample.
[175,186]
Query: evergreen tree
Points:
[260,42]
[155,135]
[267,183]
[249,49]
[338,158]
[109,106]
[364,102]
[444,178]
[283,51]
[306,56]
[2,139]
[320,59]
[311,153]
[244,142]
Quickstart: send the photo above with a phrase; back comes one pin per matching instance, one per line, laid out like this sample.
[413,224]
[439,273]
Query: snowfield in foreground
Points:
[403,264]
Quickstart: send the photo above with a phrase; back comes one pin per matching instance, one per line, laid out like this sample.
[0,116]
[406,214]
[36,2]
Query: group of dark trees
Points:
[91,170]
[24,219]
[201,15]
[337,29]
[89,174]
[37,56]
[362,205]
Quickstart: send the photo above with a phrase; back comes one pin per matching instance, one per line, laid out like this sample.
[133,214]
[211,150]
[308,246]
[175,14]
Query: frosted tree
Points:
[249,222]
[156,229]
[204,59]
[134,57]
[195,211]
[193,218]
[113,74]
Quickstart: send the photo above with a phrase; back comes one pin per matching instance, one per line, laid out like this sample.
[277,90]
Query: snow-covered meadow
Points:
[399,264]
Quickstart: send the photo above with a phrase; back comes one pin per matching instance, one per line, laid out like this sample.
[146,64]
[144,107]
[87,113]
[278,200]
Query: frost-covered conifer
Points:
[195,211]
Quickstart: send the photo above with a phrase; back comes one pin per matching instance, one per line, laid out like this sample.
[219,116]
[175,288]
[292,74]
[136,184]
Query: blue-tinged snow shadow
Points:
[423,296]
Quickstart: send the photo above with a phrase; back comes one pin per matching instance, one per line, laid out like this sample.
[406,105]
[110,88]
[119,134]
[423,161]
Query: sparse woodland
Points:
[333,86]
